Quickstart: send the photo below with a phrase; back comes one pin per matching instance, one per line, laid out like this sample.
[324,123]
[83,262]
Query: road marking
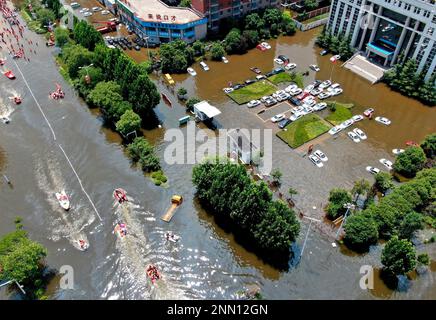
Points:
[54,137]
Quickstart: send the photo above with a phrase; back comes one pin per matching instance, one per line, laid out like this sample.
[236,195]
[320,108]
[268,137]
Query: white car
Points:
[278,117]
[325,84]
[265,45]
[314,67]
[278,61]
[372,170]
[228,90]
[224,59]
[383,120]
[283,97]
[87,14]
[316,161]
[336,92]
[191,72]
[95,9]
[297,109]
[83,10]
[335,86]
[397,151]
[357,118]
[290,66]
[306,110]
[291,87]
[335,129]
[296,116]
[260,77]
[388,164]
[353,136]
[324,95]
[296,91]
[320,106]
[360,134]
[321,155]
[309,103]
[316,91]
[105,12]
[346,123]
[265,98]
[309,88]
[253,103]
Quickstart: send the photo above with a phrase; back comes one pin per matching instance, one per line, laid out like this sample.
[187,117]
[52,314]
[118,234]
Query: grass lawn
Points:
[253,91]
[342,112]
[303,130]
[298,78]
[280,78]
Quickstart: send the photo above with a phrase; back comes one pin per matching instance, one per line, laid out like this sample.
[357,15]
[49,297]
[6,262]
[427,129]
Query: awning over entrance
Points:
[203,110]
[382,48]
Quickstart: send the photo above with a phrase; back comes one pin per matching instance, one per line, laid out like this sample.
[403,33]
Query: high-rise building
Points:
[384,29]
[215,10]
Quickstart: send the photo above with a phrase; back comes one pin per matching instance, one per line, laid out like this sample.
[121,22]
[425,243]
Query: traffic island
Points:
[252,92]
[303,130]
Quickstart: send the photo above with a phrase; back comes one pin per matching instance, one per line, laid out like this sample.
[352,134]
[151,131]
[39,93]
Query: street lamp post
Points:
[348,206]
[307,233]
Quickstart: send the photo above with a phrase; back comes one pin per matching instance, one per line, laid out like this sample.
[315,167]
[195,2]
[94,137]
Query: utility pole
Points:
[307,233]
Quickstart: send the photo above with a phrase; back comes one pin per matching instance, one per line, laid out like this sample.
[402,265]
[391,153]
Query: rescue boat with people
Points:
[169,236]
[83,245]
[121,230]
[153,273]
[63,199]
[120,195]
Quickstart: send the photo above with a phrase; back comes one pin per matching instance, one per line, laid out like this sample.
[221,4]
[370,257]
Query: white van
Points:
[204,66]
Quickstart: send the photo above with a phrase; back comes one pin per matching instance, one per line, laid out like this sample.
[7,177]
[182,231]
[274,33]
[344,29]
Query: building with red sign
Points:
[215,10]
[161,23]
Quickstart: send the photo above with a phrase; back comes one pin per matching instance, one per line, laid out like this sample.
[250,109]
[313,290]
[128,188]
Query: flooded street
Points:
[207,262]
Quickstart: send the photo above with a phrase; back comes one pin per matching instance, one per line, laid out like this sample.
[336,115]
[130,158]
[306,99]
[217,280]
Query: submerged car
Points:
[253,103]
[372,170]
[314,67]
[316,161]
[353,136]
[290,66]
[360,134]
[383,120]
[357,118]
[321,155]
[388,164]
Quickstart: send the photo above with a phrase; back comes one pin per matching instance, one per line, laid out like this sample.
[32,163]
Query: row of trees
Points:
[110,80]
[22,259]
[227,190]
[336,44]
[177,56]
[405,78]
[395,214]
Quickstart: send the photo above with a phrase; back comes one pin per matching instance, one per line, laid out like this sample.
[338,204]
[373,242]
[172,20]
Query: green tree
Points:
[423,259]
[141,151]
[217,51]
[234,42]
[191,102]
[278,229]
[185,3]
[427,93]
[337,199]
[292,192]
[288,25]
[86,35]
[412,222]
[383,181]
[360,230]
[310,4]
[181,93]
[76,56]
[107,95]
[251,37]
[276,174]
[361,187]
[398,256]
[45,16]
[198,47]
[55,6]
[128,123]
[254,22]
[22,259]
[87,79]
[176,56]
[410,161]
[272,16]
[62,36]
[429,146]
[143,95]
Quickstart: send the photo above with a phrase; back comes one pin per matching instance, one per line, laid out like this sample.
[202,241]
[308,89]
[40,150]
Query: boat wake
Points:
[137,253]
[5,109]
[62,224]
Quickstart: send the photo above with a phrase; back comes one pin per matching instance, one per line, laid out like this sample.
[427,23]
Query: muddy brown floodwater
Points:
[207,262]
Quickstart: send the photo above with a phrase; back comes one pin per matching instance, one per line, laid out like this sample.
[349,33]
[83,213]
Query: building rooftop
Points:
[157,11]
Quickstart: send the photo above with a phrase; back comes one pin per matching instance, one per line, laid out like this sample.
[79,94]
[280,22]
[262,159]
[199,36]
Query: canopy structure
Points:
[204,111]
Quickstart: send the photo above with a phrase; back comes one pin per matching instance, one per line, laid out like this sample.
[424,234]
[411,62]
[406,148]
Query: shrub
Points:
[337,199]
[410,161]
[398,256]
